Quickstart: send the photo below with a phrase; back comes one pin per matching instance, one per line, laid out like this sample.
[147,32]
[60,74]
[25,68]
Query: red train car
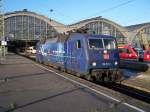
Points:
[147,55]
[126,52]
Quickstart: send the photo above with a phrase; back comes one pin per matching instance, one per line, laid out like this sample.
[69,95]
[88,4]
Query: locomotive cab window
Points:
[78,44]
[95,43]
[109,43]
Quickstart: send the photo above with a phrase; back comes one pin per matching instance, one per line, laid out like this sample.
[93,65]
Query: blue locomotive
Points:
[89,56]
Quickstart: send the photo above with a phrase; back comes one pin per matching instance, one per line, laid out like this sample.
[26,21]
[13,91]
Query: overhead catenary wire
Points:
[59,12]
[56,11]
[111,8]
[103,11]
[102,30]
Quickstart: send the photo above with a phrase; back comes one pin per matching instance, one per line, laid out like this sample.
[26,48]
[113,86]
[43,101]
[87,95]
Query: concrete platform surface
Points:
[138,80]
[26,87]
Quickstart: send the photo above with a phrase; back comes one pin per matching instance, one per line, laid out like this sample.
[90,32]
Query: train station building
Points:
[25,26]
[139,34]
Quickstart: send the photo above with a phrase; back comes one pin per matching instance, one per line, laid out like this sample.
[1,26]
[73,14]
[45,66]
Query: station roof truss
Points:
[135,31]
[60,28]
[81,24]
[129,32]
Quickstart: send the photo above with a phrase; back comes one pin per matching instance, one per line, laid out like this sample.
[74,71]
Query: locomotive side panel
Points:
[40,52]
[76,54]
[55,54]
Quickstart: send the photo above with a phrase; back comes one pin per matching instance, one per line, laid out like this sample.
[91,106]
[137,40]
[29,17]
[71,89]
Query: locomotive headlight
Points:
[105,51]
[116,63]
[94,64]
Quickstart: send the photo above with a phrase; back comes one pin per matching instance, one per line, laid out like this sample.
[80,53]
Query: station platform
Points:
[137,80]
[26,86]
[134,76]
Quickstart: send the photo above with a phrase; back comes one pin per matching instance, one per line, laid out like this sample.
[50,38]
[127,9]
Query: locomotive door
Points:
[73,55]
[77,52]
[69,56]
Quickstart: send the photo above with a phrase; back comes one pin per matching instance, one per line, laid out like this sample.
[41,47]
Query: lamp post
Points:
[3,43]
[51,10]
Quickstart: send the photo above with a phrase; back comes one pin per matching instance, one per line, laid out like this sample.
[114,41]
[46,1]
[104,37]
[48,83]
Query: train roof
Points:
[92,35]
[55,39]
[62,38]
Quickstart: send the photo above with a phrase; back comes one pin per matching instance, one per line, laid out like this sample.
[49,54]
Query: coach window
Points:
[78,44]
[123,50]
[128,51]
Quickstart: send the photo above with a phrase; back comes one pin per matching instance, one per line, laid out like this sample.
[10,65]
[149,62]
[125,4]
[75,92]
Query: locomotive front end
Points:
[103,58]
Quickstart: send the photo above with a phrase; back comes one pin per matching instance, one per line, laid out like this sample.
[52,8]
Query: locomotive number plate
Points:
[106,56]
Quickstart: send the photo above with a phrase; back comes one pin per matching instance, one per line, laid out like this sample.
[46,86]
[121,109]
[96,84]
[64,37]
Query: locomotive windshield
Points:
[102,43]
[109,43]
[96,43]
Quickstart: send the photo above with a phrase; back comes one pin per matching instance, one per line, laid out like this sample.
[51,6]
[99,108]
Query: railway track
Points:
[129,91]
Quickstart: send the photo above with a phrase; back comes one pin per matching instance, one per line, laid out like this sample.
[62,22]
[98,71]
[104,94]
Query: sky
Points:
[123,12]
